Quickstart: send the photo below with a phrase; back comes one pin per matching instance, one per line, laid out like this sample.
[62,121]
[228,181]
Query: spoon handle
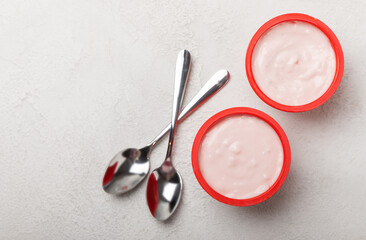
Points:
[215,83]
[182,70]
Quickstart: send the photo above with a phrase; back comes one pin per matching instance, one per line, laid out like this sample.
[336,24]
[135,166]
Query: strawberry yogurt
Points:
[293,63]
[241,156]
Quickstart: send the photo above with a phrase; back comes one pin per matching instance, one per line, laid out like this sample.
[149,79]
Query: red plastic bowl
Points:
[336,47]
[240,111]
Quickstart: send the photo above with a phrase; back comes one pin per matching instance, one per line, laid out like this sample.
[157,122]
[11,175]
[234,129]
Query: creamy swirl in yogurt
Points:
[293,63]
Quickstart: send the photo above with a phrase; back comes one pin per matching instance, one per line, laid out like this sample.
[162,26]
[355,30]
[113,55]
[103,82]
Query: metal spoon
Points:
[164,188]
[130,166]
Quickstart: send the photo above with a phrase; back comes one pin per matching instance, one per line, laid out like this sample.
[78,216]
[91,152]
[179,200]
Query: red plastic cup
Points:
[286,156]
[336,47]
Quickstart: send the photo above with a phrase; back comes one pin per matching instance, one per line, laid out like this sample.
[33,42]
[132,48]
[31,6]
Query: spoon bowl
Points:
[164,191]
[126,170]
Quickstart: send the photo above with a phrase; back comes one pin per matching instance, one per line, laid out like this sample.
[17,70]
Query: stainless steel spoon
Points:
[130,166]
[164,187]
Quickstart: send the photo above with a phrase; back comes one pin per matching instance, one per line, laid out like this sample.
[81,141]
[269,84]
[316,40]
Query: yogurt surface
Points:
[241,156]
[293,63]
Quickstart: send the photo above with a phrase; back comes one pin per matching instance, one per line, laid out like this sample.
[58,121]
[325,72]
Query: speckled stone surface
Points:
[80,80]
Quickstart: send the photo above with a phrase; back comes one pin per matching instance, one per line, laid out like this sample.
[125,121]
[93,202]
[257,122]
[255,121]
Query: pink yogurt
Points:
[294,63]
[241,156]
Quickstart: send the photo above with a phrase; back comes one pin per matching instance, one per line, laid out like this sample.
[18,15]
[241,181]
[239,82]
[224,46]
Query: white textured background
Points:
[80,80]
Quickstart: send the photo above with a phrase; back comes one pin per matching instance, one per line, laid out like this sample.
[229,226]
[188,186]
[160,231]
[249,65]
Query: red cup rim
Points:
[336,47]
[239,111]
